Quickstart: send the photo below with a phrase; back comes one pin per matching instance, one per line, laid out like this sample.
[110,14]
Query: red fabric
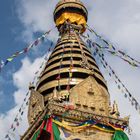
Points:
[43,125]
[41,128]
[49,128]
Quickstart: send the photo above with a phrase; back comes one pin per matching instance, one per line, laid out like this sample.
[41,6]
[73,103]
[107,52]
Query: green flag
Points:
[10,59]
[56,132]
[36,135]
[120,135]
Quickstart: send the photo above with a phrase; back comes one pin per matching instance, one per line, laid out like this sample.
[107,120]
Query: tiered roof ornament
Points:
[72,11]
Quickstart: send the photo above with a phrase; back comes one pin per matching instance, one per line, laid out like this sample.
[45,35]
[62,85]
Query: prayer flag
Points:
[36,42]
[49,49]
[70,74]
[7,136]
[113,48]
[119,87]
[26,50]
[22,113]
[43,37]
[110,46]
[15,120]
[27,103]
[17,123]
[105,41]
[51,44]
[58,77]
[49,128]
[1,63]
[120,135]
[30,46]
[12,126]
[10,59]
[47,32]
[94,54]
[68,87]
[56,132]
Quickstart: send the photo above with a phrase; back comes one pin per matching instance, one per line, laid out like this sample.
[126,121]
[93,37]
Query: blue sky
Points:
[11,40]
[22,21]
[10,29]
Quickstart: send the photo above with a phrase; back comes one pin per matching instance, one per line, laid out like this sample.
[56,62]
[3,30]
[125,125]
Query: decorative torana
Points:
[71,100]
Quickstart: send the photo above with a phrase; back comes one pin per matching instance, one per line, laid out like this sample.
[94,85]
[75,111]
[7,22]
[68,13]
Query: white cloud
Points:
[21,80]
[36,16]
[118,21]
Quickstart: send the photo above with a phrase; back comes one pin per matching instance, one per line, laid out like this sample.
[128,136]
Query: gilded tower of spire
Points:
[71,92]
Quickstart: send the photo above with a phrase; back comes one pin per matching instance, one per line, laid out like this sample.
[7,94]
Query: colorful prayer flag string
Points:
[111,49]
[123,88]
[123,57]
[18,119]
[25,50]
[97,51]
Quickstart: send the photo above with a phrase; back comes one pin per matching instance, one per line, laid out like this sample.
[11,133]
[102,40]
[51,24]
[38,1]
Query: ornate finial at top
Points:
[72,11]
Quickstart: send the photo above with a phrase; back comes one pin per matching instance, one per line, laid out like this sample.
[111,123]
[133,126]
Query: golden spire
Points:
[69,52]
[72,11]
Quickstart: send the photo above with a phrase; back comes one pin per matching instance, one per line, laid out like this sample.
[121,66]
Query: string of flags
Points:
[25,50]
[121,55]
[42,66]
[112,50]
[60,67]
[18,119]
[70,71]
[70,75]
[61,130]
[118,82]
[97,51]
[77,36]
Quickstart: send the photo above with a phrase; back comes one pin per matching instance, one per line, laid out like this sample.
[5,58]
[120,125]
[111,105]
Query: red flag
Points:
[17,123]
[15,54]
[36,42]
[12,126]
[41,128]
[43,125]
[49,49]
[68,87]
[58,77]
[49,128]
[26,50]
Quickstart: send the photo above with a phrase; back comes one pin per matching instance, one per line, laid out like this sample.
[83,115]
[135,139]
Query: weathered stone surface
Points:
[36,106]
[89,96]
[91,135]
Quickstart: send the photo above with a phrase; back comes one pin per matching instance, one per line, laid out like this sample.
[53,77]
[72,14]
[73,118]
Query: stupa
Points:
[71,101]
